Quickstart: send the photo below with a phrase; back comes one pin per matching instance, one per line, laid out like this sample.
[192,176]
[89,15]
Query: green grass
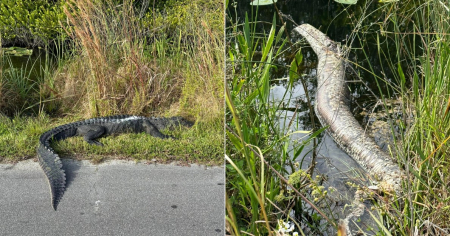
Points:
[18,89]
[203,143]
[425,145]
[258,192]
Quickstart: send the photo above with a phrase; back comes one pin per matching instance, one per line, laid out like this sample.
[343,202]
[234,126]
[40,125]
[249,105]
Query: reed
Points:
[415,50]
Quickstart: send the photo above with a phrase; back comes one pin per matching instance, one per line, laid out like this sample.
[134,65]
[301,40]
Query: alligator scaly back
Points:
[91,130]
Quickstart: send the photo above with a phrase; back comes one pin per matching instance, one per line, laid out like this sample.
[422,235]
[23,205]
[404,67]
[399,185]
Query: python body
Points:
[332,109]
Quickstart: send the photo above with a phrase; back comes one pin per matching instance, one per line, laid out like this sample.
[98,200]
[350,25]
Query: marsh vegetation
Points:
[397,51]
[110,57]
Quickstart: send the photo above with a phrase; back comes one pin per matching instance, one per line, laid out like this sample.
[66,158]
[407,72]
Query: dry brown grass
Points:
[111,75]
[203,93]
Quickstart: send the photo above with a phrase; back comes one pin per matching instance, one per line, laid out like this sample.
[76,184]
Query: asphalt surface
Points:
[114,198]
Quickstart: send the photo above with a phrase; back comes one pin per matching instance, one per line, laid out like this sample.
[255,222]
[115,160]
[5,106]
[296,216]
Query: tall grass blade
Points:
[268,45]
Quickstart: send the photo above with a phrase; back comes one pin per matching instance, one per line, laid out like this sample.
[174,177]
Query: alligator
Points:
[91,130]
[332,109]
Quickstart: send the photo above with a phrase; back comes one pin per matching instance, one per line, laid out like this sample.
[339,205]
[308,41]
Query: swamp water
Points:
[23,72]
[335,20]
[31,61]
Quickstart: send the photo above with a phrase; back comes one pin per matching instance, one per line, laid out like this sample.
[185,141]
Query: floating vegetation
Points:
[18,51]
[350,2]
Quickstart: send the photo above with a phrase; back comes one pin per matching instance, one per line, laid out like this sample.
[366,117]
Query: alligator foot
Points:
[91,132]
[94,142]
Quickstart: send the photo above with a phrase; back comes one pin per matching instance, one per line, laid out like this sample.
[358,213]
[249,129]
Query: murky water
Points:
[32,64]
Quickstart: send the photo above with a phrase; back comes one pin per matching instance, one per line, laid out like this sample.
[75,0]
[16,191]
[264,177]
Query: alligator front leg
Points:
[91,132]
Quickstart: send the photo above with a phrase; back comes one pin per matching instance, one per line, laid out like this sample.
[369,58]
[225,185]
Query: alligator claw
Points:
[95,142]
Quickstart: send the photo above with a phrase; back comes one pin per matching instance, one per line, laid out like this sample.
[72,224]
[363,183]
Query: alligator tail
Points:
[52,166]
[51,163]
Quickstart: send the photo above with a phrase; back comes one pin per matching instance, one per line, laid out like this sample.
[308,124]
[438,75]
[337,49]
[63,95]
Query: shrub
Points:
[30,23]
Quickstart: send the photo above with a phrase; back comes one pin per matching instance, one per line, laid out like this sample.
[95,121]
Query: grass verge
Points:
[199,144]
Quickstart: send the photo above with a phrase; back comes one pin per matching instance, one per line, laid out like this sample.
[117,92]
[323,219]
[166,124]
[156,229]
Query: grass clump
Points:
[425,145]
[18,90]
[259,156]
[122,67]
[116,77]
[414,58]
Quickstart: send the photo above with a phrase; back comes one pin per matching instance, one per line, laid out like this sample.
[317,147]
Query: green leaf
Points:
[264,84]
[402,75]
[268,45]
[235,140]
[293,71]
[280,33]
[243,47]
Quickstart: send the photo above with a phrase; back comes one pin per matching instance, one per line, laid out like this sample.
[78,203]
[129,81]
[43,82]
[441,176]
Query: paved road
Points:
[114,198]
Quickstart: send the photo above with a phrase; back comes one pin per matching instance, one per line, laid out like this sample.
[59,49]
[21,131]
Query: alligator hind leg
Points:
[153,131]
[91,132]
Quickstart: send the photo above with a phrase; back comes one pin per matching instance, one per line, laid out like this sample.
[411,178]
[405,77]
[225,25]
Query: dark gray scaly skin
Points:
[92,129]
[332,109]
